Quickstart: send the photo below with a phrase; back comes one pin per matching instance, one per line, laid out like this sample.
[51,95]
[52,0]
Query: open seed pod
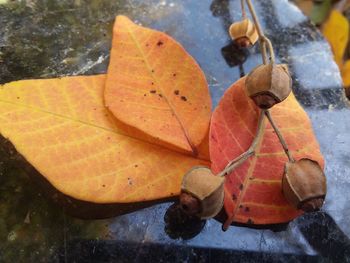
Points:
[244,33]
[304,184]
[269,84]
[202,193]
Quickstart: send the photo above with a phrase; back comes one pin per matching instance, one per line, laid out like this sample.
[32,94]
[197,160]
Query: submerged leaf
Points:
[253,193]
[155,86]
[63,129]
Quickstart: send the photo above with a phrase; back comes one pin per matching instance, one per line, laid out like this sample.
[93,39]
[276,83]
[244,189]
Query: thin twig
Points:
[280,137]
[263,42]
[255,18]
[244,15]
[262,38]
[270,47]
[244,156]
[259,30]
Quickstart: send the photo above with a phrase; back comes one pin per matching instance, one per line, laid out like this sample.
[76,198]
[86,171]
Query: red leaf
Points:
[253,191]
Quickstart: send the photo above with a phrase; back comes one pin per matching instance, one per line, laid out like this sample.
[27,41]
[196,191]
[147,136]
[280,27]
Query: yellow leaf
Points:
[345,72]
[155,86]
[336,31]
[63,129]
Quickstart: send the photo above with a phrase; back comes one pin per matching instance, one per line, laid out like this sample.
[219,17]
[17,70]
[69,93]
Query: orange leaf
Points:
[154,85]
[253,191]
[63,129]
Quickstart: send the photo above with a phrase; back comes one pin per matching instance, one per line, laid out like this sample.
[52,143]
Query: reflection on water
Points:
[31,227]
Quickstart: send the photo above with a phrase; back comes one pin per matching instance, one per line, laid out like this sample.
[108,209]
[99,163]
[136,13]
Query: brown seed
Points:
[244,33]
[269,84]
[304,184]
[201,184]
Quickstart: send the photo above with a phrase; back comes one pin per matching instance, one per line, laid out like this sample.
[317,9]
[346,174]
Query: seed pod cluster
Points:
[202,193]
[304,184]
[244,33]
[268,84]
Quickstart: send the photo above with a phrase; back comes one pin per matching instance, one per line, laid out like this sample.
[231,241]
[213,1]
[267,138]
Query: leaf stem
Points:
[262,38]
[264,41]
[244,14]
[280,137]
[244,156]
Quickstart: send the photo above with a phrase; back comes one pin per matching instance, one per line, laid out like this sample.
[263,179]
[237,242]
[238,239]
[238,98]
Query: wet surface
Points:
[43,38]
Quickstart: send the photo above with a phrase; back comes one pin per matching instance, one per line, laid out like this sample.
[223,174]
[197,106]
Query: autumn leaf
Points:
[336,31]
[345,72]
[155,86]
[253,191]
[63,129]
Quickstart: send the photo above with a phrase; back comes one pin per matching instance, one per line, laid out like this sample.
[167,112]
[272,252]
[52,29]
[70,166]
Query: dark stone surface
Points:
[47,38]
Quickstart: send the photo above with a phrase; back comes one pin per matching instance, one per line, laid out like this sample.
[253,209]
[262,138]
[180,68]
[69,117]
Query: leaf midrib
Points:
[96,126]
[192,146]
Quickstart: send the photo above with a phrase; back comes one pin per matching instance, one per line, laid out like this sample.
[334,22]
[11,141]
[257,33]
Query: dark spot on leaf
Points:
[145,95]
[250,222]
[213,138]
[160,43]
[152,70]
[176,92]
[234,197]
[136,165]
[183,98]
[18,98]
[147,44]
[108,138]
[240,206]
[153,91]
[247,209]
[174,75]
[103,185]
[152,83]
[241,187]
[129,181]
[160,95]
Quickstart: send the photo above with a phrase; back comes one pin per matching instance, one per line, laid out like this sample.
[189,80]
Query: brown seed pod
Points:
[269,84]
[304,184]
[202,193]
[244,33]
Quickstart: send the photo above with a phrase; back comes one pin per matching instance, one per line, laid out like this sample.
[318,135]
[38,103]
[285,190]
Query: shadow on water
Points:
[233,55]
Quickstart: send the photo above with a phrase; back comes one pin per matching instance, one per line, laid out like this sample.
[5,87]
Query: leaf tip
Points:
[122,19]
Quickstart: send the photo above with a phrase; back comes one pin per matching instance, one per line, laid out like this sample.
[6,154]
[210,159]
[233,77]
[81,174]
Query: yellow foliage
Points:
[336,31]
[345,72]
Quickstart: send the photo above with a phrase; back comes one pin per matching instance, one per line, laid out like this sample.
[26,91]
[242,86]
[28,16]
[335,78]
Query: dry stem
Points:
[244,156]
[280,137]
[263,42]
